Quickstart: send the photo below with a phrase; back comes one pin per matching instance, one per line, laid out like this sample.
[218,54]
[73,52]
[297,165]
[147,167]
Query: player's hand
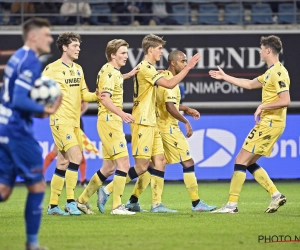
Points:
[257,115]
[194,113]
[127,118]
[48,110]
[193,61]
[134,71]
[189,130]
[217,74]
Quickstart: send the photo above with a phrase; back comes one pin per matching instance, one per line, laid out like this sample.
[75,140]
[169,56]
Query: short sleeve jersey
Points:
[144,96]
[274,81]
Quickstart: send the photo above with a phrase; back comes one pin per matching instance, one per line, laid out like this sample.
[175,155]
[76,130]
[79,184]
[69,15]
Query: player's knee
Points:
[77,158]
[39,187]
[5,193]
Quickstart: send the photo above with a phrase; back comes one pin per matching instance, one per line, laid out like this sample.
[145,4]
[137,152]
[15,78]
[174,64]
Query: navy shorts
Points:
[22,157]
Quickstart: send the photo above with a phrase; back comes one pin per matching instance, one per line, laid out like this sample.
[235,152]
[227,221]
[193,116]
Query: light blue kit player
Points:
[20,153]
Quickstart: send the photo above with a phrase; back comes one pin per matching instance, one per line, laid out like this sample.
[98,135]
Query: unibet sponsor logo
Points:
[201,150]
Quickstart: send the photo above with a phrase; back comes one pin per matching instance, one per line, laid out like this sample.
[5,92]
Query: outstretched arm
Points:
[240,82]
[171,83]
[131,73]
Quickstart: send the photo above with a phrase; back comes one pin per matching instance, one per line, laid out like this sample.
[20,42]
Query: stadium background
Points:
[226,111]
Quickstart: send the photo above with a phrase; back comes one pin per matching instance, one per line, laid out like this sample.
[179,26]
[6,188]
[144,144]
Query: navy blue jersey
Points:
[17,108]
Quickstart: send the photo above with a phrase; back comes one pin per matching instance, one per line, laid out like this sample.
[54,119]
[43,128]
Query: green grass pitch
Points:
[184,230]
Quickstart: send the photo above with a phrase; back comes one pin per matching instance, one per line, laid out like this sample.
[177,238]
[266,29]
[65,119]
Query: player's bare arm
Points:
[48,110]
[175,113]
[189,111]
[131,73]
[108,103]
[170,84]
[283,101]
[240,82]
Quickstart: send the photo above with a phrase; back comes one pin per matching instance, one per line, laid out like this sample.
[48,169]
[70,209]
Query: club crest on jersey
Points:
[267,77]
[68,137]
[78,72]
[122,145]
[146,149]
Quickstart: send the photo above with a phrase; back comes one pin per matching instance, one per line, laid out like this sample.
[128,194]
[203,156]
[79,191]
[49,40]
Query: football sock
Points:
[130,176]
[157,185]
[262,178]
[71,180]
[48,159]
[118,189]
[95,182]
[82,169]
[57,184]
[141,184]
[237,181]
[191,184]
[33,215]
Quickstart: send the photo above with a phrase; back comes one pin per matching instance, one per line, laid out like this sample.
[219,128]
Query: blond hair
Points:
[113,46]
[151,40]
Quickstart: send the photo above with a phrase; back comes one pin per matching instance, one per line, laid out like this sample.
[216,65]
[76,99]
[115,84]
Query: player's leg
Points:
[119,185]
[237,180]
[57,183]
[50,158]
[82,169]
[260,175]
[141,184]
[158,174]
[29,165]
[94,184]
[7,173]
[191,184]
[73,149]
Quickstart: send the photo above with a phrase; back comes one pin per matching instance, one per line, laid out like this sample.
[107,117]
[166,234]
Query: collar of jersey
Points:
[67,64]
[29,49]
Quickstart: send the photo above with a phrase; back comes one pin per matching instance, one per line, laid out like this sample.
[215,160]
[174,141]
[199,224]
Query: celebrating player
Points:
[20,153]
[65,122]
[176,148]
[270,118]
[146,139]
[110,128]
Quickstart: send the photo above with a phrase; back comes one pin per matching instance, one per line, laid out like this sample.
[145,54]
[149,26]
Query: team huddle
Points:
[156,137]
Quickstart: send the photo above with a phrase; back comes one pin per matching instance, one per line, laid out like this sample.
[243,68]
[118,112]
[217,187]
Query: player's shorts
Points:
[23,157]
[261,139]
[66,137]
[176,147]
[114,145]
[146,141]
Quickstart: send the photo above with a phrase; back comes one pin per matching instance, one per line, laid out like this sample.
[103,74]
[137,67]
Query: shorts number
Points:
[252,134]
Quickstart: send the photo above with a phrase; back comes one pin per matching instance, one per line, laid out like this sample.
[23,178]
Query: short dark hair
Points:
[33,23]
[272,42]
[67,38]
[173,56]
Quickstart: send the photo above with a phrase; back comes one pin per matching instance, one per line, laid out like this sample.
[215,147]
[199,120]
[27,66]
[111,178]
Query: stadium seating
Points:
[208,14]
[234,13]
[103,10]
[178,9]
[286,13]
[261,13]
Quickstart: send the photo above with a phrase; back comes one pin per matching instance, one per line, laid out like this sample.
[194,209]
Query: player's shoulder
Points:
[106,69]
[54,65]
[146,66]
[77,66]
